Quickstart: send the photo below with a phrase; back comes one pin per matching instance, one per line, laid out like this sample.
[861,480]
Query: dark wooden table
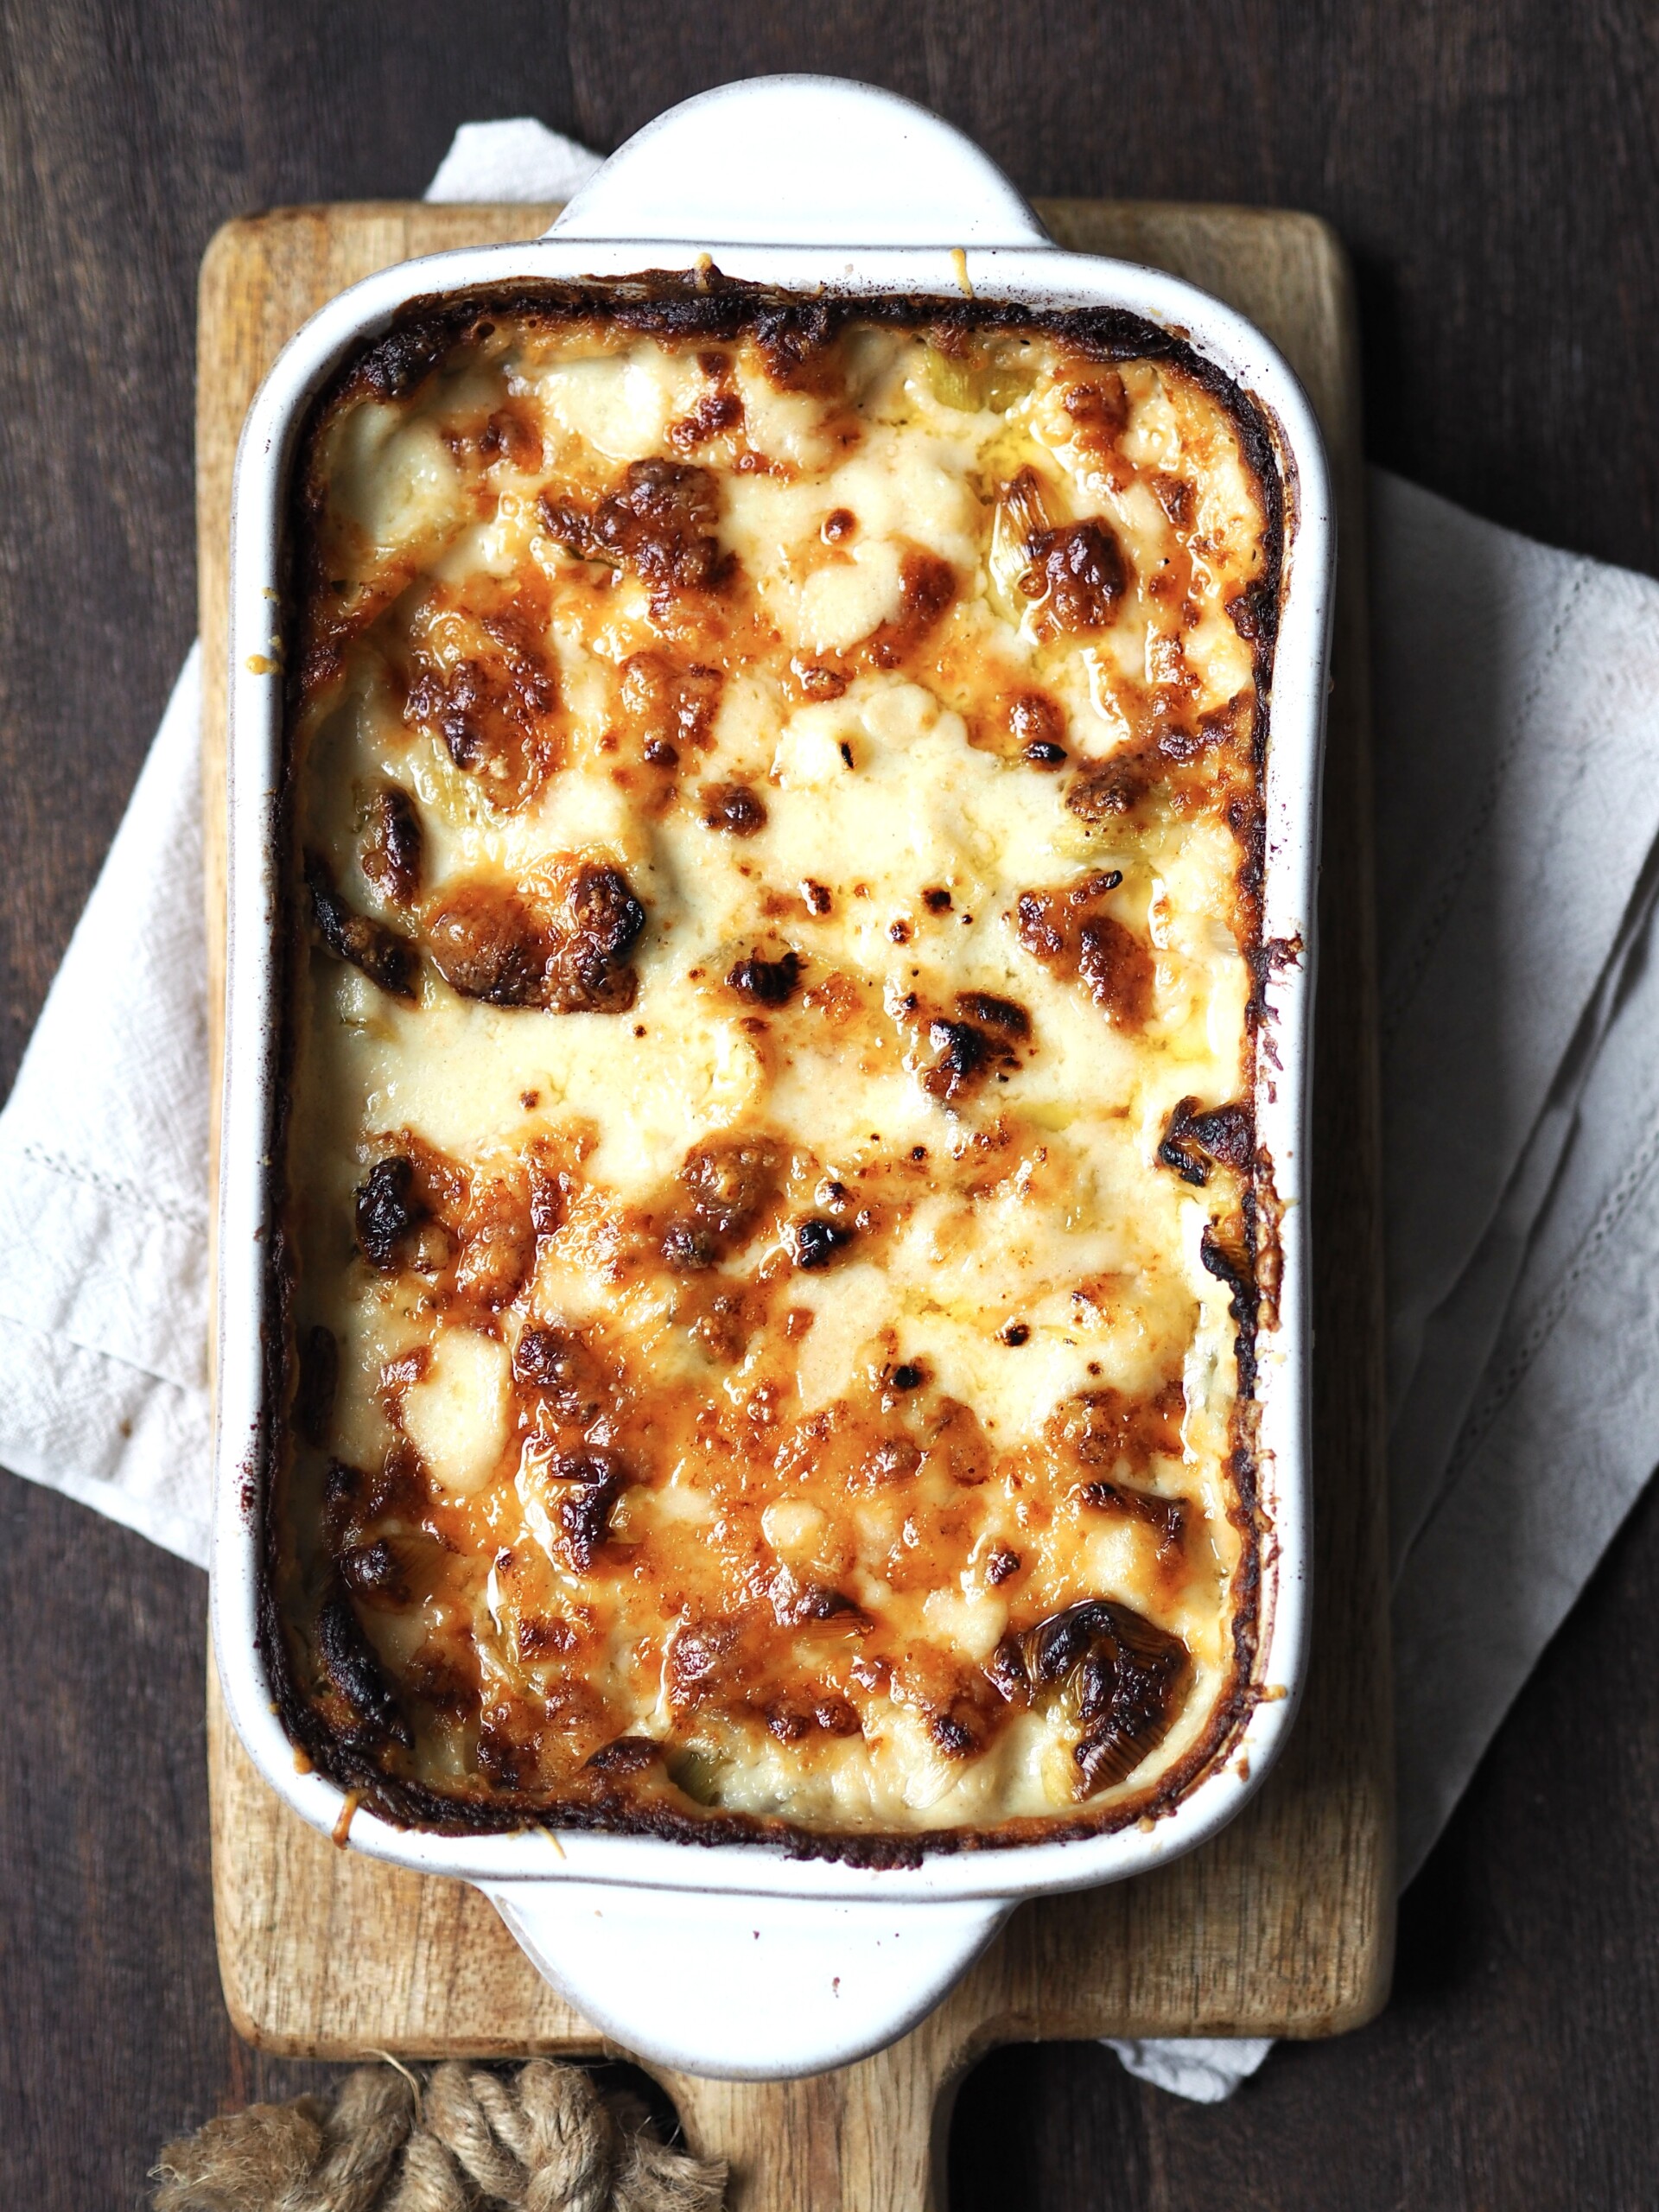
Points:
[1494,166]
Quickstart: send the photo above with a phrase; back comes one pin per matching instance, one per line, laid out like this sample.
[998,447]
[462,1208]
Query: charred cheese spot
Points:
[1070,933]
[734,808]
[1193,1143]
[511,435]
[481,684]
[388,1211]
[766,982]
[1120,1673]
[814,1406]
[661,521]
[392,853]
[388,959]
[670,708]
[714,416]
[1075,576]
[488,942]
[965,1056]
[1038,727]
[725,1187]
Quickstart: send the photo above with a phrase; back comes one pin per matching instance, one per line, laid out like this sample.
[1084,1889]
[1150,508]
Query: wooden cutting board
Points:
[1283,1925]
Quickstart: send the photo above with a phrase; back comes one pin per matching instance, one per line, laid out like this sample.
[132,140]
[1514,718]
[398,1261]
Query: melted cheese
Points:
[739,1305]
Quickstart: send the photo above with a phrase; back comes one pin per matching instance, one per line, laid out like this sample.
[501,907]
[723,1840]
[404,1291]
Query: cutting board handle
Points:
[801,161]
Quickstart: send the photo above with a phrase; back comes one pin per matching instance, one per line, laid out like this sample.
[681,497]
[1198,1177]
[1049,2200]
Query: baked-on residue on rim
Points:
[457,893]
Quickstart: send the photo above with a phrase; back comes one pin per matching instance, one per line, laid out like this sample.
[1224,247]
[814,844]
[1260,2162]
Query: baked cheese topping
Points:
[768,1228]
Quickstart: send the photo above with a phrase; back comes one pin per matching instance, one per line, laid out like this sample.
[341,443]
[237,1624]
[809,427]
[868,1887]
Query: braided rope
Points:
[542,2139]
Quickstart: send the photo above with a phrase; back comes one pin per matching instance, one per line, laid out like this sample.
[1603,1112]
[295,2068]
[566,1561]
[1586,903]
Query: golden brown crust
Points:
[478,680]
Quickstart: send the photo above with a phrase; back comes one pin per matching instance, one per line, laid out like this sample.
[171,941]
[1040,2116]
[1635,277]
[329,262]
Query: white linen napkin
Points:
[1517,823]
[102,1187]
[1518,817]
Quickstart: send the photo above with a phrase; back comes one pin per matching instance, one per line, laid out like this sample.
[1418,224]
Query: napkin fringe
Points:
[1547,1316]
[194,1219]
[87,1261]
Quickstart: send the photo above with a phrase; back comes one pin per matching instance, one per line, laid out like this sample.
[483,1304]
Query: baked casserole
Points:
[772,1235]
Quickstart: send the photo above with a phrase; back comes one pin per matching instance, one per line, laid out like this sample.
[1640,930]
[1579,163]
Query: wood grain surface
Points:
[1493,166]
[1282,1925]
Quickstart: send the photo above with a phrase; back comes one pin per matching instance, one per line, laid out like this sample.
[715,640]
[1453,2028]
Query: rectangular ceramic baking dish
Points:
[731,1960]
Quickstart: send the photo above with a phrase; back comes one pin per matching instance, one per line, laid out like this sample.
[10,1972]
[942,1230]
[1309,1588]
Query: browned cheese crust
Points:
[770,1229]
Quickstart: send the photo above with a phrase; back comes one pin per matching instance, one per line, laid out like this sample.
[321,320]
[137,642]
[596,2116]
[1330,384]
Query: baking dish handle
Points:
[801,161]
[744,1988]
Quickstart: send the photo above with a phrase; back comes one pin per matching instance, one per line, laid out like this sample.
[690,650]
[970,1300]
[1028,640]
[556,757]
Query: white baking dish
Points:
[736,1960]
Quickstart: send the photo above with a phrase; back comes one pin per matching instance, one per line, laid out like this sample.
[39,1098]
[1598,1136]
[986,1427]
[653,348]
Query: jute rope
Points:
[541,2140]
